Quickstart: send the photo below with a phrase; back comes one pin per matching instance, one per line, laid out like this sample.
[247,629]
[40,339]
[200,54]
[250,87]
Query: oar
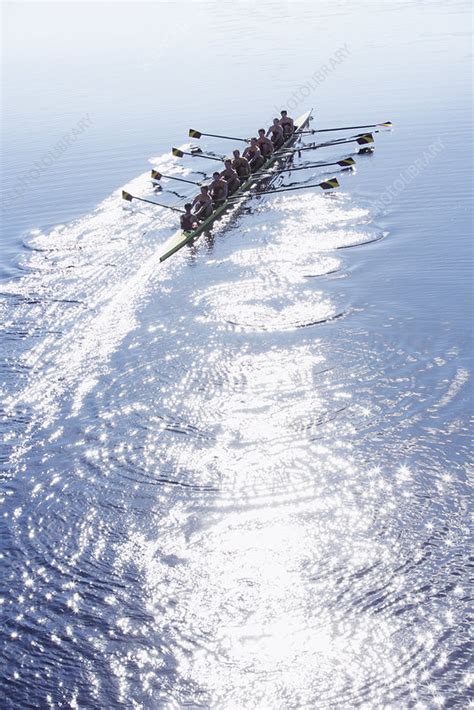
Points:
[197,134]
[127,196]
[312,131]
[325,185]
[361,140]
[157,176]
[345,163]
[193,133]
[179,154]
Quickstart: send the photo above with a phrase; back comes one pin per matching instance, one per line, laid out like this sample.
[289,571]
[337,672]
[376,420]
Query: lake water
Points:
[237,479]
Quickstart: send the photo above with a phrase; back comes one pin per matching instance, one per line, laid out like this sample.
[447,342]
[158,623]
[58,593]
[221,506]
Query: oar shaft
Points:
[179,154]
[285,189]
[311,166]
[312,131]
[289,189]
[171,177]
[338,141]
[129,198]
[343,128]
[327,144]
[158,204]
[231,138]
[206,157]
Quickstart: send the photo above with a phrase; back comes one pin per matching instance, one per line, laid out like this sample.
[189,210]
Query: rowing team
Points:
[237,171]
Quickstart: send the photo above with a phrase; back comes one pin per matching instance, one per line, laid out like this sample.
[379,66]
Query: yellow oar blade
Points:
[127,196]
[387,124]
[156,175]
[177,152]
[367,138]
[346,162]
[194,134]
[329,184]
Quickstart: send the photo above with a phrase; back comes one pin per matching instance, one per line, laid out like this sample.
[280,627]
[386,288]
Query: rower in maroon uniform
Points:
[287,124]
[265,144]
[203,204]
[230,176]
[188,220]
[241,166]
[276,134]
[254,156]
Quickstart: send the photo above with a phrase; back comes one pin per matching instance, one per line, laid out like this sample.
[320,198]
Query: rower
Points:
[254,156]
[188,219]
[218,188]
[265,144]
[287,124]
[241,166]
[203,204]
[230,176]
[276,131]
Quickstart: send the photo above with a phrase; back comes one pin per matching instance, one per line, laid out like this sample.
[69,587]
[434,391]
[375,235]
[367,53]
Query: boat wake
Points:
[190,430]
[83,284]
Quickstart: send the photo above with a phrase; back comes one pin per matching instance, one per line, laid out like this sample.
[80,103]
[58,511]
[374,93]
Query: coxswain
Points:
[241,166]
[276,134]
[254,156]
[188,219]
[230,176]
[218,189]
[287,124]
[203,204]
[265,144]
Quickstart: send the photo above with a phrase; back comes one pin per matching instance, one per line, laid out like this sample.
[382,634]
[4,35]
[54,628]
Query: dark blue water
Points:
[238,479]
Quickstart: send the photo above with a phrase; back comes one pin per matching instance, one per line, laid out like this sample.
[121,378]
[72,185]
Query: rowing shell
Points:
[180,238]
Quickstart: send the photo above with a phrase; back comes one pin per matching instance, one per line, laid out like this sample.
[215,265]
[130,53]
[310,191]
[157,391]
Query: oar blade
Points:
[127,196]
[156,175]
[194,134]
[346,162]
[177,152]
[386,124]
[329,184]
[366,138]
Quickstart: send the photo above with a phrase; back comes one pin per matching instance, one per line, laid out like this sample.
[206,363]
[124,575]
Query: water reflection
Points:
[232,510]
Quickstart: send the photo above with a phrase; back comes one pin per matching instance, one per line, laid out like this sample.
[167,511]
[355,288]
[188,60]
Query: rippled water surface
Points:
[237,479]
